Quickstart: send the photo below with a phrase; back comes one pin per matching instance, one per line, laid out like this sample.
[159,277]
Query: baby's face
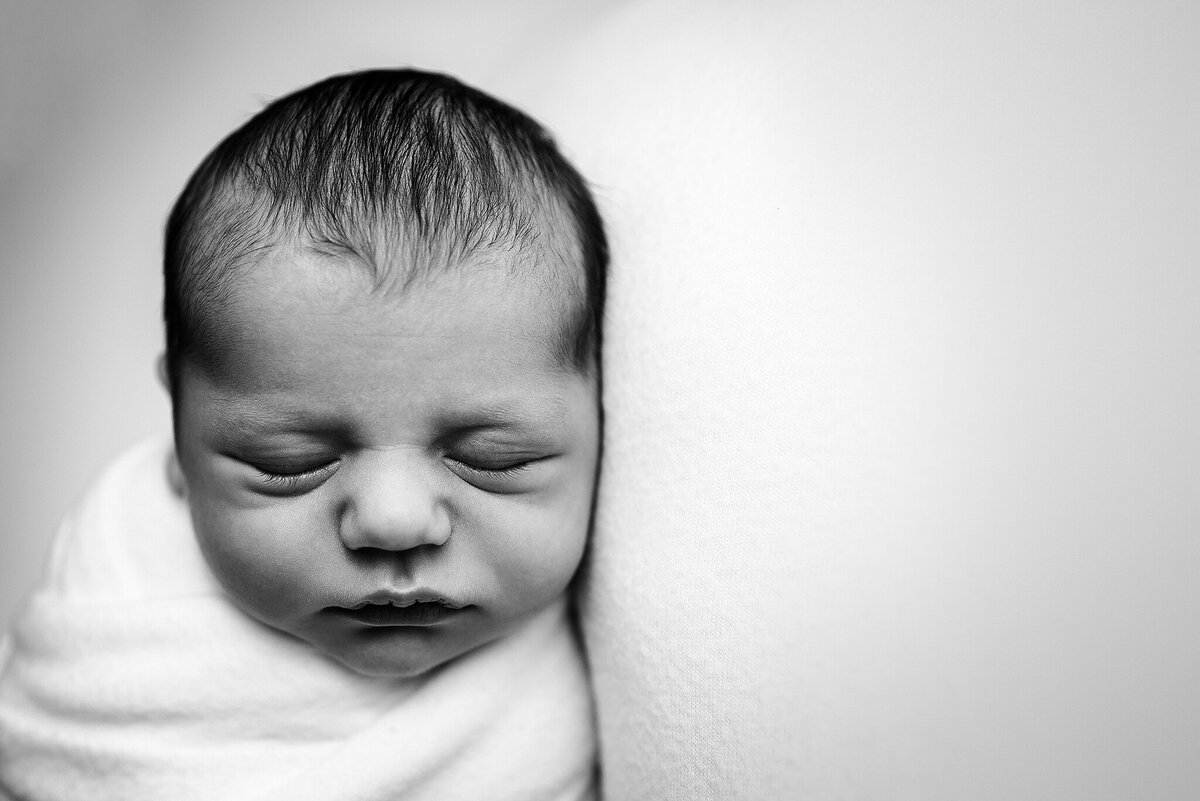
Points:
[395,479]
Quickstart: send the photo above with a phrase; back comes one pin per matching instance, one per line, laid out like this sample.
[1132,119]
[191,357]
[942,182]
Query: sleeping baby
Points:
[347,577]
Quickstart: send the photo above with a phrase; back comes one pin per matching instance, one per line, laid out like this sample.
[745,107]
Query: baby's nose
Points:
[393,504]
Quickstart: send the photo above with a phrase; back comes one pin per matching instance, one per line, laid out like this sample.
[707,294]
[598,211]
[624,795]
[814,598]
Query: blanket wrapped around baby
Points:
[129,675]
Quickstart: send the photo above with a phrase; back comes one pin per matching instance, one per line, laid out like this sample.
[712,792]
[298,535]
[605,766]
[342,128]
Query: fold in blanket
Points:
[128,675]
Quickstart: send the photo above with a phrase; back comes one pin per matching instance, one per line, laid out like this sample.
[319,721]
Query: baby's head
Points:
[383,307]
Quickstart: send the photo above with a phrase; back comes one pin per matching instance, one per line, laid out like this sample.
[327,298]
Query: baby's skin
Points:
[396,475]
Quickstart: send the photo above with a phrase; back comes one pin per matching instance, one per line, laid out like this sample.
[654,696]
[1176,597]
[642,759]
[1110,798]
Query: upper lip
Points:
[406,598]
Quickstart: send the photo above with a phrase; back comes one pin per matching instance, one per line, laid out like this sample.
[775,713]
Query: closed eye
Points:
[512,475]
[291,479]
[496,470]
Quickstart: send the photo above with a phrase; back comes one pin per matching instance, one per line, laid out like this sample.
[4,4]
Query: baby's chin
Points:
[384,654]
[386,669]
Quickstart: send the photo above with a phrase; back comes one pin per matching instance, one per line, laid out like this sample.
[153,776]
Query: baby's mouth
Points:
[404,603]
[400,612]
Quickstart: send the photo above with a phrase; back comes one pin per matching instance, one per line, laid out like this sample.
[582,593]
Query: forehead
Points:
[300,320]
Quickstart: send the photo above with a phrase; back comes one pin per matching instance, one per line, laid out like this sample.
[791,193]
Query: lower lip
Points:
[418,614]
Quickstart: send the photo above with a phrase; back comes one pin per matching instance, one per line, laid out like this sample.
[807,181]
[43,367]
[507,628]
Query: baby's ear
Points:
[175,475]
[161,368]
[174,471]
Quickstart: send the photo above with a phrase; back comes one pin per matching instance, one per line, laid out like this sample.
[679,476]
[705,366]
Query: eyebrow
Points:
[257,417]
[512,415]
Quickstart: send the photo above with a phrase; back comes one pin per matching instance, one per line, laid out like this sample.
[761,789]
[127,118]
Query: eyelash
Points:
[509,470]
[291,480]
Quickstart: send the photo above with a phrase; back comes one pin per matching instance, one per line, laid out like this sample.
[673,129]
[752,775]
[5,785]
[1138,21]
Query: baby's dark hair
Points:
[374,164]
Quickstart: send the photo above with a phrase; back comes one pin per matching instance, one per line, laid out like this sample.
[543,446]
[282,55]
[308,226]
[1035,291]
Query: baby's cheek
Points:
[254,553]
[540,553]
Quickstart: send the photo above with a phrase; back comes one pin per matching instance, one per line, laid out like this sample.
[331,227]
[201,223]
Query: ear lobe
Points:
[175,475]
[175,478]
[160,368]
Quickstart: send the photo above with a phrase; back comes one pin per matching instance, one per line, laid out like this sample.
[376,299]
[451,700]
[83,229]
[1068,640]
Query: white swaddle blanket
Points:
[128,675]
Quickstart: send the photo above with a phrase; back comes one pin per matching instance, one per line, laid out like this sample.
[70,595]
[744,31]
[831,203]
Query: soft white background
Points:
[904,368]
